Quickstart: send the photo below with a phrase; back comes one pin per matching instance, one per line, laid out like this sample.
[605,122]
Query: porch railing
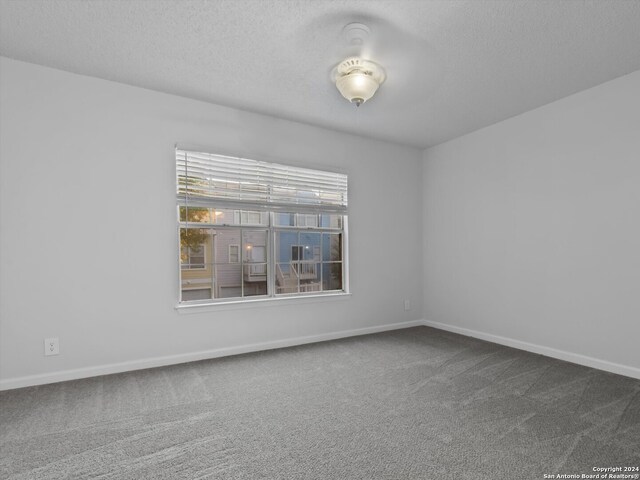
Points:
[255,272]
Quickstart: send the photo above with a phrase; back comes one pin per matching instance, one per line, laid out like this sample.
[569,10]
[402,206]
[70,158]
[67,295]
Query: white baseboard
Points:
[542,350]
[62,376]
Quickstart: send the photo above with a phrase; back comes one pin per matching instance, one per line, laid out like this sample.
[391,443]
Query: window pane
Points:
[196,274]
[286,278]
[255,245]
[310,243]
[332,276]
[284,242]
[228,270]
[229,280]
[195,215]
[332,247]
[254,218]
[307,220]
[196,294]
[193,243]
[225,241]
[255,279]
[226,216]
[254,262]
[331,221]
[285,219]
[309,275]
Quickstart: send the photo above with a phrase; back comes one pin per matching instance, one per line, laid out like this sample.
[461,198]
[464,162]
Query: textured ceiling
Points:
[452,66]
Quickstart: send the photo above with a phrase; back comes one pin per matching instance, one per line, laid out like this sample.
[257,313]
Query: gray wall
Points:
[88,242]
[532,228]
[528,230]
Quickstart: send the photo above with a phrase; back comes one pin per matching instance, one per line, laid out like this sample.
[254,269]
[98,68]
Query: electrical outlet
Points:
[407,305]
[51,346]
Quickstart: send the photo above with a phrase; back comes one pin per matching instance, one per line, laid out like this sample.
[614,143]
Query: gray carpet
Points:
[410,404]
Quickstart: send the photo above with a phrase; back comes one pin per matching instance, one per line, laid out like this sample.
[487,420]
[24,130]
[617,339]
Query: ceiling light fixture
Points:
[358,79]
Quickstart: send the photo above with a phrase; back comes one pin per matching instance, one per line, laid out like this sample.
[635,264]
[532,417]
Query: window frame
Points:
[194,190]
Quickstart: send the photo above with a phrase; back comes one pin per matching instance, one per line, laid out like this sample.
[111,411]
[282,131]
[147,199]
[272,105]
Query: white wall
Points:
[532,229]
[88,243]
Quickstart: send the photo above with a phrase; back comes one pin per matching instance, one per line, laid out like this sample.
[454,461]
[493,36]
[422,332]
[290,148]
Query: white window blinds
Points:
[206,179]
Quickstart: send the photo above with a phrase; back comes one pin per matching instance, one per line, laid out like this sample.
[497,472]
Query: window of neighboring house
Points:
[192,257]
[307,220]
[272,230]
[296,252]
[234,253]
[247,218]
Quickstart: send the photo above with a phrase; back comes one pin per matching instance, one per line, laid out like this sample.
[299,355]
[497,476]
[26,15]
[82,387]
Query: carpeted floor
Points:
[410,404]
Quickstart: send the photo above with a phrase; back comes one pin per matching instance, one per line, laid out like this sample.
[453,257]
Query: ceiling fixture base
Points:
[356,33]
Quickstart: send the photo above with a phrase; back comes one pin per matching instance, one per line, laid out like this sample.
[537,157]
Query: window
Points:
[268,230]
[192,257]
[234,253]
[296,252]
[307,220]
[251,218]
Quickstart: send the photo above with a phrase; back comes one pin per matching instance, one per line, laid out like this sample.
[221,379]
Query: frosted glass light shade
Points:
[357,87]
[358,79]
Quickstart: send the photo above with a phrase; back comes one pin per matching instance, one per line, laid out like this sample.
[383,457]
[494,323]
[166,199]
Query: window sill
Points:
[259,302]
